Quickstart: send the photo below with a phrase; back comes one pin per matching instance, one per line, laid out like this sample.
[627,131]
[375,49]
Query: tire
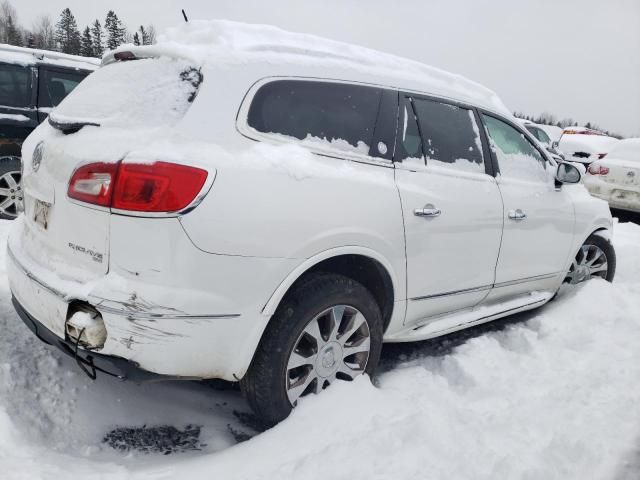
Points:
[267,385]
[11,194]
[588,257]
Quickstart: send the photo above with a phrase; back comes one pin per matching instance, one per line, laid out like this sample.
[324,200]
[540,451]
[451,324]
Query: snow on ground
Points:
[553,394]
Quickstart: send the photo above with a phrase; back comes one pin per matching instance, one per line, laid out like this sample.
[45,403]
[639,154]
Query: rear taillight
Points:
[93,183]
[596,169]
[153,187]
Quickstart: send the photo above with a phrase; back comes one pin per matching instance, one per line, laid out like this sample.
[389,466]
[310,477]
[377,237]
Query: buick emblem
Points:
[631,174]
[36,159]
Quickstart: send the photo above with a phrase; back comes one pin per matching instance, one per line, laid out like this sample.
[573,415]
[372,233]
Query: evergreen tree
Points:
[144,36]
[31,40]
[67,33]
[86,43]
[97,39]
[13,34]
[115,30]
[136,39]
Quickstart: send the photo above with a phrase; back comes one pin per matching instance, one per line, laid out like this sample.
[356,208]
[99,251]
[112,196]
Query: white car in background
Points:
[269,208]
[541,135]
[584,145]
[616,178]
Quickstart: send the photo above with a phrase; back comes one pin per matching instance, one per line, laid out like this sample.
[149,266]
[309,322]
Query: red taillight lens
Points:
[157,187]
[93,183]
[153,187]
[596,169]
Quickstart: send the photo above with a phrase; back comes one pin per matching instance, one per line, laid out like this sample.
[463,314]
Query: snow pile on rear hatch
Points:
[222,41]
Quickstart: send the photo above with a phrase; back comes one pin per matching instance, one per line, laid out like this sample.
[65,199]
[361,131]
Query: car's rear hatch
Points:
[118,108]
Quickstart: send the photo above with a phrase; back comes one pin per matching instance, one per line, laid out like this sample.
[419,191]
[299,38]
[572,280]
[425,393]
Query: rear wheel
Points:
[595,259]
[329,328]
[11,194]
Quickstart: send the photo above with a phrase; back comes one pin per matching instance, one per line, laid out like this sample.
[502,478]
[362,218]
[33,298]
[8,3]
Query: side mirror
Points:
[568,173]
[555,145]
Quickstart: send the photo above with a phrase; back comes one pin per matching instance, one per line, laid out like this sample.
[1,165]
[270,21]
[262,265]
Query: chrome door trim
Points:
[487,287]
[455,292]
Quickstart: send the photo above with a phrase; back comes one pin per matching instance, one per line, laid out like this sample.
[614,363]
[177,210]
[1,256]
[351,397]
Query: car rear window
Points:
[148,92]
[338,115]
[56,85]
[15,85]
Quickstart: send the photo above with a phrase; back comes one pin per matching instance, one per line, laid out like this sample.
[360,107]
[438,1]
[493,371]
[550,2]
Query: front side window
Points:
[58,85]
[450,136]
[15,85]
[337,115]
[517,157]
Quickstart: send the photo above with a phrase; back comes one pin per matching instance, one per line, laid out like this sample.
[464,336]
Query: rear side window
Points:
[15,85]
[517,157]
[340,115]
[56,85]
[147,92]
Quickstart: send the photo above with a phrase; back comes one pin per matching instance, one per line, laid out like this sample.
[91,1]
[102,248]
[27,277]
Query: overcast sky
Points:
[572,58]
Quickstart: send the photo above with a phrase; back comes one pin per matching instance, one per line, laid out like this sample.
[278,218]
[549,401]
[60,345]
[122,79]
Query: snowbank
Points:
[554,395]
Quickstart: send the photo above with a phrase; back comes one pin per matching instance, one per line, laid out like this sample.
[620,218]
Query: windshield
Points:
[149,92]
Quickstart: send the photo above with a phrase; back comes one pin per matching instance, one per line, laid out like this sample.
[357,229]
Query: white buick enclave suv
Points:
[242,203]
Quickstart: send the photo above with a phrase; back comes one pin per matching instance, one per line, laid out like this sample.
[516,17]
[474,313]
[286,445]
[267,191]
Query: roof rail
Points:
[44,54]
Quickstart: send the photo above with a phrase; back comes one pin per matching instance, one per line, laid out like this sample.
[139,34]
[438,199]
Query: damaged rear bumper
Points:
[90,362]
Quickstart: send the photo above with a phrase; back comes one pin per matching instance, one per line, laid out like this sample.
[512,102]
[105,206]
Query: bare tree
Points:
[8,20]
[43,33]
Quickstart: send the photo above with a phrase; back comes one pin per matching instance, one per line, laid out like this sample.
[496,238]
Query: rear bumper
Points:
[610,193]
[177,331]
[92,362]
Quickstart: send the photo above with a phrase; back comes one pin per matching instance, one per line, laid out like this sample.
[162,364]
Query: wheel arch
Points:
[359,263]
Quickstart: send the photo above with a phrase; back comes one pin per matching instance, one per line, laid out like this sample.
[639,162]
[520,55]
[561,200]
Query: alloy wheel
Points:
[590,262]
[334,345]
[11,194]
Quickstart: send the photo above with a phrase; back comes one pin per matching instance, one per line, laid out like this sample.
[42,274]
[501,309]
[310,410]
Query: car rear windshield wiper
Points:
[70,127]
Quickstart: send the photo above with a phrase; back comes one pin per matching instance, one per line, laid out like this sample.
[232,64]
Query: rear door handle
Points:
[517,214]
[428,211]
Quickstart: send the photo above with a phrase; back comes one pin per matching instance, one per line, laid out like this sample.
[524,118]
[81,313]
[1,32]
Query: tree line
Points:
[65,36]
[546,118]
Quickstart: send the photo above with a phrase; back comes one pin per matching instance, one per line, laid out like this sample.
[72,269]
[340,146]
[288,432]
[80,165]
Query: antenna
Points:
[185,16]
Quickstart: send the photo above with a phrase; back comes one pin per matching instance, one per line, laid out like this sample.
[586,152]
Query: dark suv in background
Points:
[32,82]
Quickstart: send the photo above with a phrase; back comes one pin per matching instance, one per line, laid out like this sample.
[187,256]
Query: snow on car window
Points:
[517,157]
[321,114]
[450,136]
[150,92]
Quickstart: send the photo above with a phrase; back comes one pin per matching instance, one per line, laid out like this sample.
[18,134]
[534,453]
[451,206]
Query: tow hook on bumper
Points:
[85,327]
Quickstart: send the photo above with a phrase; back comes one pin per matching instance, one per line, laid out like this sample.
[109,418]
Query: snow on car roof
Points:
[627,149]
[32,56]
[221,41]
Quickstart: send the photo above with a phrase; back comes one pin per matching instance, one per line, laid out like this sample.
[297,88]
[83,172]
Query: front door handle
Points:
[428,211]
[517,214]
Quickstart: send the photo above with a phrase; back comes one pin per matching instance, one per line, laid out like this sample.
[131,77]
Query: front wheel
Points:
[595,259]
[329,328]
